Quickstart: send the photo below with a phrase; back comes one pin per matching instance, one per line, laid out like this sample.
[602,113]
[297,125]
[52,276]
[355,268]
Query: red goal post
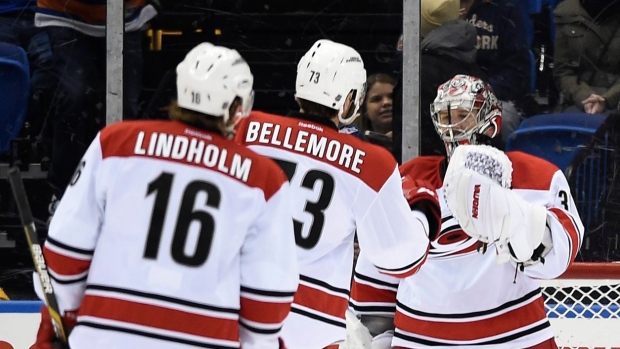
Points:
[583,305]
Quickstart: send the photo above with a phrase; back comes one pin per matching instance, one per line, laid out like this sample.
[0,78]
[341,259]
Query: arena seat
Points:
[557,137]
[584,147]
[15,87]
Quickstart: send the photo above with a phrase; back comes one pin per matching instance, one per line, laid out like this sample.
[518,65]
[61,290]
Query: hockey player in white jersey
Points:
[508,219]
[171,235]
[340,184]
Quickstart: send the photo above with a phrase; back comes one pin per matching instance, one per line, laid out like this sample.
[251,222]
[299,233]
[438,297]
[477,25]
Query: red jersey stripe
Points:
[321,301]
[263,312]
[363,293]
[64,265]
[475,329]
[571,230]
[159,317]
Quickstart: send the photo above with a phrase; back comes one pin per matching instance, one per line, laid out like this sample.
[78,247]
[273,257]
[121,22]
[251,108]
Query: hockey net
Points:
[583,306]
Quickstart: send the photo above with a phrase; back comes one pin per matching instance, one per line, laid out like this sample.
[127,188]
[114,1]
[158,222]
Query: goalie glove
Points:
[422,197]
[476,189]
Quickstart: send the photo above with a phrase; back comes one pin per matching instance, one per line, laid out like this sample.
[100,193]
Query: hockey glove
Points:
[422,197]
[46,338]
[476,189]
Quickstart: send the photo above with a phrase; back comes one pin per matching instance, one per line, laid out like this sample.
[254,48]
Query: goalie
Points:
[508,219]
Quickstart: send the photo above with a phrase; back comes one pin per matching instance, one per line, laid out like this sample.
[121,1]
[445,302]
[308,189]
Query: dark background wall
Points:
[272,36]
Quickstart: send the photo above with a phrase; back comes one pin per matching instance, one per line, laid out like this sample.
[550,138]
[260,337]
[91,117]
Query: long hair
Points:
[313,108]
[196,119]
[370,82]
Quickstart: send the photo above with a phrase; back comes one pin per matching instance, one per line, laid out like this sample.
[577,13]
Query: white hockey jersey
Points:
[339,184]
[173,237]
[463,298]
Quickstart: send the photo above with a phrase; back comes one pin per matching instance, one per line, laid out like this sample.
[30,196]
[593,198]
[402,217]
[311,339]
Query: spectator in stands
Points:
[76,29]
[503,53]
[448,48]
[17,27]
[587,55]
[377,109]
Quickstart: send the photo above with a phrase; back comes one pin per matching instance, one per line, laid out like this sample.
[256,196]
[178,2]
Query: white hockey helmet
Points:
[211,77]
[327,73]
[471,94]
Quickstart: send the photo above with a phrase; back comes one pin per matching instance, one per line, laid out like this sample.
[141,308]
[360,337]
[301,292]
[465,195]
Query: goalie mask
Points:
[464,111]
[211,77]
[328,73]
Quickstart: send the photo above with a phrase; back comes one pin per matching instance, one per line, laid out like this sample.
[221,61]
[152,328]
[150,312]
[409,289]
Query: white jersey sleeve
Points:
[394,238]
[268,263]
[74,230]
[566,231]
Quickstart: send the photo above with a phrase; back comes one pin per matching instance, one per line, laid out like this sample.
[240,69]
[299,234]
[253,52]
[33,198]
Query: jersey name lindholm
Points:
[193,150]
[306,142]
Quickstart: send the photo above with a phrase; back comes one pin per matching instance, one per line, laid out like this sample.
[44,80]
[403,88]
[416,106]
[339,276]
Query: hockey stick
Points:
[19,193]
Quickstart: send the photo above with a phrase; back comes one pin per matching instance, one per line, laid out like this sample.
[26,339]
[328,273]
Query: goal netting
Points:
[583,306]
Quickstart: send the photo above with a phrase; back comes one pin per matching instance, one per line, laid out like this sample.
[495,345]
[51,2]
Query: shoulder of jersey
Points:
[424,167]
[378,153]
[531,172]
[123,133]
[119,138]
[378,163]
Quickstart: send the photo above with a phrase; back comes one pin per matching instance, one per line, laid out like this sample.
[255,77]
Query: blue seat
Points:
[533,6]
[14,92]
[581,145]
[558,138]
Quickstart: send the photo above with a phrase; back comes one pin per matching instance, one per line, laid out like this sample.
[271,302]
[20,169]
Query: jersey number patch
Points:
[161,187]
[315,208]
